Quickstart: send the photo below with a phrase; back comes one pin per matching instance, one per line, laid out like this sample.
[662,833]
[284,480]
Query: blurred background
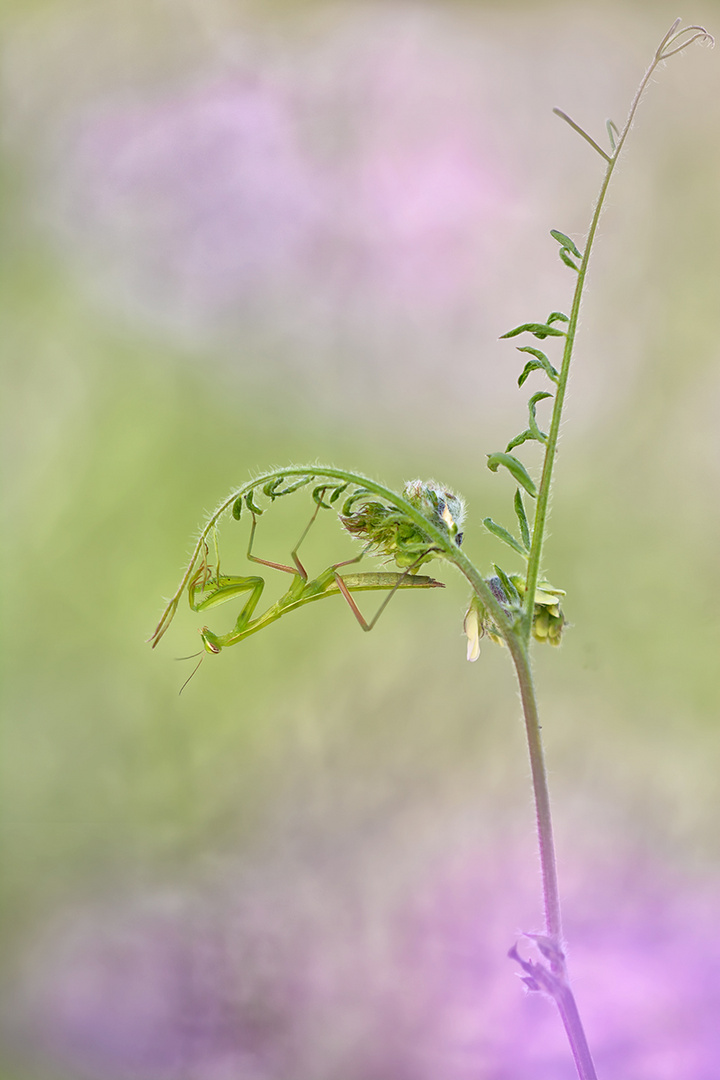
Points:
[239,235]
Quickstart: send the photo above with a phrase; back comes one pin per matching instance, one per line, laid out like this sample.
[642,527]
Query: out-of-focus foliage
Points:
[234,238]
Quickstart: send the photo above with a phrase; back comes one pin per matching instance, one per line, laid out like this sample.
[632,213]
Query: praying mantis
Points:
[207,587]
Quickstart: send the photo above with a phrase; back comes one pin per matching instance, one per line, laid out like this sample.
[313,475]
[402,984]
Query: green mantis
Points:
[207,588]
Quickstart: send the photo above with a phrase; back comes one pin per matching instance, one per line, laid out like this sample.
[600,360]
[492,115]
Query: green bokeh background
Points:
[119,438]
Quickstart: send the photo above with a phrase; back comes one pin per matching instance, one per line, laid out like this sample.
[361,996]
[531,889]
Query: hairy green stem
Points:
[557,985]
[546,844]
[520,654]
[543,497]
[668,47]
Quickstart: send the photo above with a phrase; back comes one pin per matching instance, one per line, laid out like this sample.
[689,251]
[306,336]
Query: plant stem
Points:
[553,979]
[674,41]
[548,865]
[565,1001]
[543,496]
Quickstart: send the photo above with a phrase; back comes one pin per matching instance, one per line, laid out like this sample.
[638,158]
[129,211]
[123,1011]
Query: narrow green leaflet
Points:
[568,261]
[539,330]
[504,535]
[320,493]
[532,405]
[510,591]
[274,488]
[565,242]
[515,468]
[252,505]
[532,432]
[523,437]
[360,493]
[522,519]
[540,362]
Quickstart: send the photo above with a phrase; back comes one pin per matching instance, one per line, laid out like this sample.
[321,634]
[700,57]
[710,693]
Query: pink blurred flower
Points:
[350,185]
[205,198]
[299,980]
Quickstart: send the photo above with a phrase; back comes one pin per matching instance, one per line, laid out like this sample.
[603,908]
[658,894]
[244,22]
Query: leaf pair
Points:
[522,546]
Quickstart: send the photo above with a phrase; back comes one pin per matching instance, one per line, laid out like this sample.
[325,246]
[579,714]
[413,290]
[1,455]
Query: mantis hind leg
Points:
[298,568]
[364,624]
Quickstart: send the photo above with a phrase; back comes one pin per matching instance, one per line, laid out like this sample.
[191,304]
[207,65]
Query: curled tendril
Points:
[676,40]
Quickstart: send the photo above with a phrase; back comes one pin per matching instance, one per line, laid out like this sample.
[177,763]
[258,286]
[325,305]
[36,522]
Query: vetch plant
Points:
[423,525]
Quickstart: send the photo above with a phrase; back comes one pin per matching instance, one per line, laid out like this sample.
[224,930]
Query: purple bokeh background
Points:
[299,974]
